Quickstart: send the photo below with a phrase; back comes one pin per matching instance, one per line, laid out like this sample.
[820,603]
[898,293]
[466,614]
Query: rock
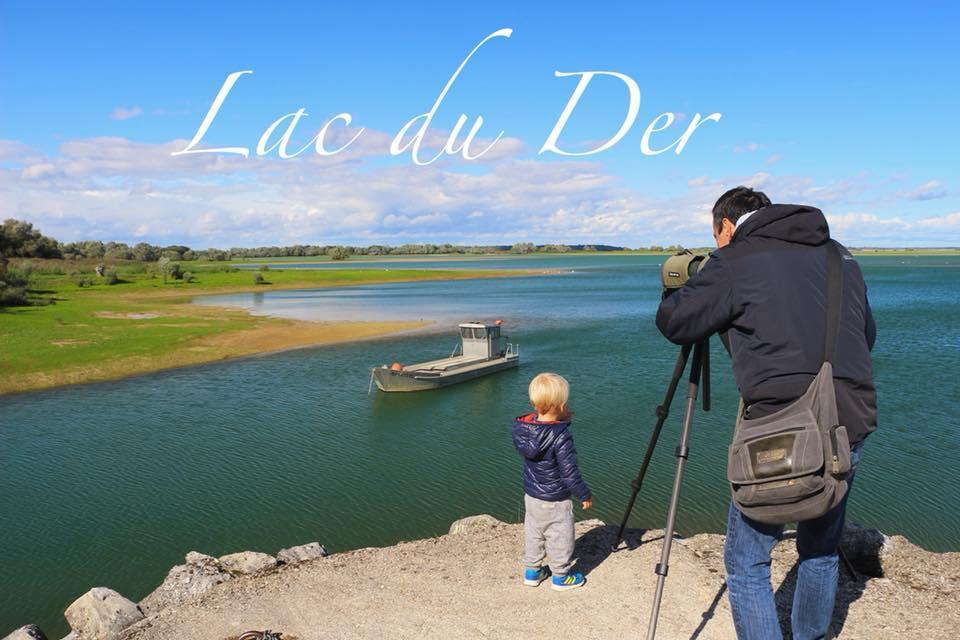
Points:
[185,581]
[865,548]
[592,522]
[198,559]
[247,562]
[27,632]
[302,553]
[474,523]
[71,636]
[101,614]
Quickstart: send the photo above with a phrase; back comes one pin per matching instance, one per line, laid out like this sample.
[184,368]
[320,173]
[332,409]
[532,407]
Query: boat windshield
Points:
[472,333]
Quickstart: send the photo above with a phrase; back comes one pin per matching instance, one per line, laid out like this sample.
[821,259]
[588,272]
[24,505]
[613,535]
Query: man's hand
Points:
[586,504]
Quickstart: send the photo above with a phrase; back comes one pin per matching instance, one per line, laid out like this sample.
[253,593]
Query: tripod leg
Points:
[705,383]
[663,411]
[682,454]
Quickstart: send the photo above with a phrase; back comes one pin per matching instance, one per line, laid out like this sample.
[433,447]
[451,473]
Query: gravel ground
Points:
[468,585]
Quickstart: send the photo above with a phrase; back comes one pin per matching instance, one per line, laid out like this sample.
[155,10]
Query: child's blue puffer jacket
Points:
[550,469]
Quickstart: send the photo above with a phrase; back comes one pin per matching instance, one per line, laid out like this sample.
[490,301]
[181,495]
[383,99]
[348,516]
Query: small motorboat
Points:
[482,348]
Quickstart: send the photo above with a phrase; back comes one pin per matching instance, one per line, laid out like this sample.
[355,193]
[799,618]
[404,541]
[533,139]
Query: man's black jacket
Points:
[767,288]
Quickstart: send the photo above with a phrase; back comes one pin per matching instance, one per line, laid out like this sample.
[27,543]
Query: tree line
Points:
[19,239]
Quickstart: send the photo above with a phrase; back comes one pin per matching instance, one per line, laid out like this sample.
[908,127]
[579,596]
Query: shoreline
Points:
[467,584]
[221,333]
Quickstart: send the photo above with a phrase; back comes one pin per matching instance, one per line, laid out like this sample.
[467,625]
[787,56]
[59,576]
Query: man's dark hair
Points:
[735,203]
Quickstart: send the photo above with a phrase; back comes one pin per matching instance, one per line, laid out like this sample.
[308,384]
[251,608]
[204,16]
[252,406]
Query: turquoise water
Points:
[111,484]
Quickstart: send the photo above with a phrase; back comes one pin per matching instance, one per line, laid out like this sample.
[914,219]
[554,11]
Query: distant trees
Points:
[18,239]
[523,247]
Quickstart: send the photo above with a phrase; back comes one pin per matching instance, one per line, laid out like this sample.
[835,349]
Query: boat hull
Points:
[423,380]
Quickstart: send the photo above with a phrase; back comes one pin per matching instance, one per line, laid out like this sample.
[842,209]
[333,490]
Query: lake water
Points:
[111,484]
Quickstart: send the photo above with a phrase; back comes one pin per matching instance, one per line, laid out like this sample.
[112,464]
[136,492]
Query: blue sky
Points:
[848,108]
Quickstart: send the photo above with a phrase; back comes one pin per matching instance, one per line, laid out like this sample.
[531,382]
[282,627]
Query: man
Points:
[765,286]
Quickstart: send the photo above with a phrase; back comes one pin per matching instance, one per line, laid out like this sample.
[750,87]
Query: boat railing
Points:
[456,347]
[512,350]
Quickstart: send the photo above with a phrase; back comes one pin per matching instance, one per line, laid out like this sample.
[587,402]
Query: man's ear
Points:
[725,235]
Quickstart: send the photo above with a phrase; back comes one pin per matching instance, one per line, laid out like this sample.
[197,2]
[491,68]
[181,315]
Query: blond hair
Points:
[548,392]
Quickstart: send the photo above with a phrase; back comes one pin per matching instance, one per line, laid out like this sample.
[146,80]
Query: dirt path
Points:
[468,586]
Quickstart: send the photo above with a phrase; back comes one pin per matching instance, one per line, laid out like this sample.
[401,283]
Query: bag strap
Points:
[834,299]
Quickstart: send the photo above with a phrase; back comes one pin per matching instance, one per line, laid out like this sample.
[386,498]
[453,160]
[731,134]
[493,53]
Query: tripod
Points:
[700,366]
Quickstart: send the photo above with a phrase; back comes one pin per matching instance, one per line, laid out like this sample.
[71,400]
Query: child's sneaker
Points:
[569,581]
[533,577]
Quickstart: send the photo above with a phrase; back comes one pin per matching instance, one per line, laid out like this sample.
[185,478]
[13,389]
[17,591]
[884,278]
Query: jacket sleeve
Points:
[703,306]
[567,462]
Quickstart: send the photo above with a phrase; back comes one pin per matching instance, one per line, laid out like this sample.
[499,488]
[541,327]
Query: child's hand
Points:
[586,504]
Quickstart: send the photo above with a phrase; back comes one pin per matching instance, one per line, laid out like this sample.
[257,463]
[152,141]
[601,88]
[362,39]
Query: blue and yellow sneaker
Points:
[568,581]
[533,577]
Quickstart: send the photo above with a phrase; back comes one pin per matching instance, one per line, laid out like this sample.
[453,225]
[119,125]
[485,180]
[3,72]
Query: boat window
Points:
[494,332]
[479,334]
[466,332]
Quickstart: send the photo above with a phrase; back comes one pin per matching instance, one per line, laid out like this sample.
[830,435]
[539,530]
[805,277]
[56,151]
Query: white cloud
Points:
[748,148]
[123,113]
[117,189]
[930,190]
[949,221]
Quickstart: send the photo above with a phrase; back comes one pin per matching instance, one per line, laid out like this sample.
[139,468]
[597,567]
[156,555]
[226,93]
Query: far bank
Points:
[81,329]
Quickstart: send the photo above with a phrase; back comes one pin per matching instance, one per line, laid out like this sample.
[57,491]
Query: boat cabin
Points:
[481,340]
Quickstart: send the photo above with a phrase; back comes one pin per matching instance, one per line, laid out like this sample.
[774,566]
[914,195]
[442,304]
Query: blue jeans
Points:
[746,555]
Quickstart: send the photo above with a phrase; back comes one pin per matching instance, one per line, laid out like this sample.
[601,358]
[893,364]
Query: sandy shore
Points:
[467,585]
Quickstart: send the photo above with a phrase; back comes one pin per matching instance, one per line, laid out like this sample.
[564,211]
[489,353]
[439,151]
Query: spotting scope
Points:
[678,268]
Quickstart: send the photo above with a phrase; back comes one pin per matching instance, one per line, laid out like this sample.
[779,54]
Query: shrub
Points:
[338,253]
[13,288]
[258,278]
[110,276]
[169,269]
[264,267]
[187,276]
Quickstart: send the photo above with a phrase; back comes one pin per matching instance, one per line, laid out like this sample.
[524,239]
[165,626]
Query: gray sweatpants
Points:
[548,530]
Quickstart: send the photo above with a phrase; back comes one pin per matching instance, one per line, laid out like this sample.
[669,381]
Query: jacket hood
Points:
[532,438]
[794,223]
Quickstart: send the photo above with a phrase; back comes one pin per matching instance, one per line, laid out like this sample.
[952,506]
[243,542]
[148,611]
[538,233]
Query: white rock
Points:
[198,559]
[184,582]
[474,523]
[101,614]
[302,553]
[593,522]
[247,562]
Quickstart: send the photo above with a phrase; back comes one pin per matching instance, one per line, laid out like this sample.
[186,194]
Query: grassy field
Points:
[100,332]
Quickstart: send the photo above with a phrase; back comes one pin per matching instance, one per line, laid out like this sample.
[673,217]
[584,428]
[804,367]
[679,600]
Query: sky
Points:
[848,108]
